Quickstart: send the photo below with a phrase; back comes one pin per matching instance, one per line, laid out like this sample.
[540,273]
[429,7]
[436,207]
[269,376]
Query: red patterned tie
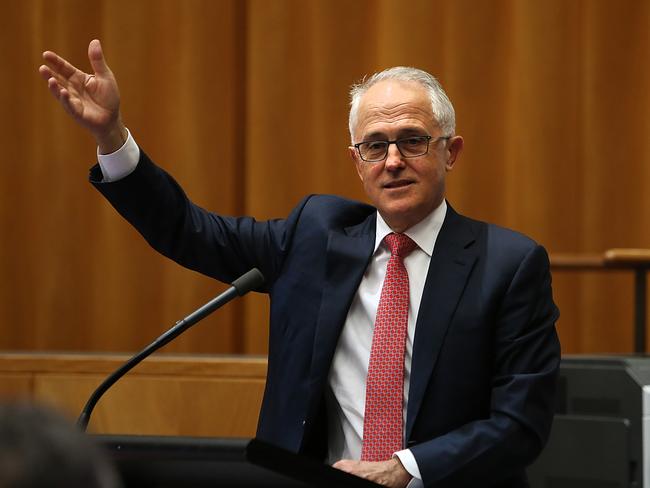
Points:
[382,423]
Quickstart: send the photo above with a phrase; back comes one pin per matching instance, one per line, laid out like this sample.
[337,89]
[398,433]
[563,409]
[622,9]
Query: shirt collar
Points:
[424,233]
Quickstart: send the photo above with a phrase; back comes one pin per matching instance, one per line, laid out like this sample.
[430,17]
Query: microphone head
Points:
[248,281]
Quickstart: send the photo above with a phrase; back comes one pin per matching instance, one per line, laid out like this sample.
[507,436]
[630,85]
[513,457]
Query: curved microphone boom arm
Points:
[248,281]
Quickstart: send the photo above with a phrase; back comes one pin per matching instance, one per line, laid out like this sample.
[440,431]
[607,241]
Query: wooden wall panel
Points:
[245,102]
[168,395]
[74,276]
[16,386]
[160,405]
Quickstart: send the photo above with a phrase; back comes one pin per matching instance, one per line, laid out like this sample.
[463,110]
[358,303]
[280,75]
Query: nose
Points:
[394,159]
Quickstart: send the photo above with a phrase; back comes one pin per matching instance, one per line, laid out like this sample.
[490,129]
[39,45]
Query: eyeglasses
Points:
[408,147]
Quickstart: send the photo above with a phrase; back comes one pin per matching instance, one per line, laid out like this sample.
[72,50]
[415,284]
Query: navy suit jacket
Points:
[485,352]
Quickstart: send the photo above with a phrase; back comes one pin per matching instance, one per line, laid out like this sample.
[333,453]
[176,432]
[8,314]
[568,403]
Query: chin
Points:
[402,215]
[399,220]
[402,207]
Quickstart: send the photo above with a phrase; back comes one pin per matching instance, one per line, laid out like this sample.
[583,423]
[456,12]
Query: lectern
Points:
[174,462]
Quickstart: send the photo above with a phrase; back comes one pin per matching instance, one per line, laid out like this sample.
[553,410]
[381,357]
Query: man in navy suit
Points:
[480,353]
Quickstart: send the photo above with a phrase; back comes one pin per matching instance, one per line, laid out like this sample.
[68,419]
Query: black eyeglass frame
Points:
[397,142]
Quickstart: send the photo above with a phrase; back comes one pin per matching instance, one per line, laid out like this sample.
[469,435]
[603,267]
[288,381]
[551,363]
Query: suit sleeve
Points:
[490,451]
[214,245]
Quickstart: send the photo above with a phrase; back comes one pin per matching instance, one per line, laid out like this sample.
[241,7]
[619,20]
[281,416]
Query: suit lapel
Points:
[347,256]
[348,253]
[451,263]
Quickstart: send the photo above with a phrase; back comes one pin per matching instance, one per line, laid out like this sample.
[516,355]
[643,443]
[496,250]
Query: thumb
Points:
[96,57]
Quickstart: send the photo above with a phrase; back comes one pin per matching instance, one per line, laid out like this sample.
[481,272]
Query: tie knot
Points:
[400,244]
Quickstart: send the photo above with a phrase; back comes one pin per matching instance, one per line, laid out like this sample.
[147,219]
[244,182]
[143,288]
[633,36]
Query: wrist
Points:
[113,139]
[403,475]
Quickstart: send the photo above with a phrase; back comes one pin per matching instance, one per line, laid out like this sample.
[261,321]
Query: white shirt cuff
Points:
[120,163]
[407,459]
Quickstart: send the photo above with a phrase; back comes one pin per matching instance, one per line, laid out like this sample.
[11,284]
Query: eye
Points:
[412,141]
[376,145]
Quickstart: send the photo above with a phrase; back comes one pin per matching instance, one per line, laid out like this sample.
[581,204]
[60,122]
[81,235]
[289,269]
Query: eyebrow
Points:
[404,132]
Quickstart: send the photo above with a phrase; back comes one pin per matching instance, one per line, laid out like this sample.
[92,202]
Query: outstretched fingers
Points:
[93,99]
[96,57]
[70,104]
[62,94]
[55,82]
[59,65]
[54,87]
[47,74]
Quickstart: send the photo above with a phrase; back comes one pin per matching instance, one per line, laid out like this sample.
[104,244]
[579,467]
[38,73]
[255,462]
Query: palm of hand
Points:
[92,100]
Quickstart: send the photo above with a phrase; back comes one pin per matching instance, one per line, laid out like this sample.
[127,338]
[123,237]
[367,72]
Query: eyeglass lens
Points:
[409,148]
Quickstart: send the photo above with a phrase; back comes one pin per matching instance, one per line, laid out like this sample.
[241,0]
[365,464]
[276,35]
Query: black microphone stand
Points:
[242,285]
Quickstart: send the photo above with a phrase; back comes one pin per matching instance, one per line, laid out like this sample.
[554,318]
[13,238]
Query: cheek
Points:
[368,175]
[370,187]
[435,173]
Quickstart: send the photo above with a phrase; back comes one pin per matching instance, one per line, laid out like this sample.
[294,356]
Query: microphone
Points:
[242,285]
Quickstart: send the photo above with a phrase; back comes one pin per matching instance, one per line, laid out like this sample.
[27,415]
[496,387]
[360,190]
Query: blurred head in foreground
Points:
[40,448]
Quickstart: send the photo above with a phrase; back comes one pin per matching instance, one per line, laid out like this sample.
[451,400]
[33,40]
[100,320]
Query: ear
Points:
[456,144]
[354,155]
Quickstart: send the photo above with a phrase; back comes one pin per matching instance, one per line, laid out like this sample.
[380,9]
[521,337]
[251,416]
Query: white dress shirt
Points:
[347,378]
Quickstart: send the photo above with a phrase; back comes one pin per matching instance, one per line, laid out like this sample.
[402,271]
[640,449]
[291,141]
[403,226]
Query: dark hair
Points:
[39,448]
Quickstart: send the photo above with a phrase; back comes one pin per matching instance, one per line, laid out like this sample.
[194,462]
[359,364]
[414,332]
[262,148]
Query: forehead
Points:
[394,105]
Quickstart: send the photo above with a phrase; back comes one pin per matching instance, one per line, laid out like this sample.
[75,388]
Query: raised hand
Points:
[93,100]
